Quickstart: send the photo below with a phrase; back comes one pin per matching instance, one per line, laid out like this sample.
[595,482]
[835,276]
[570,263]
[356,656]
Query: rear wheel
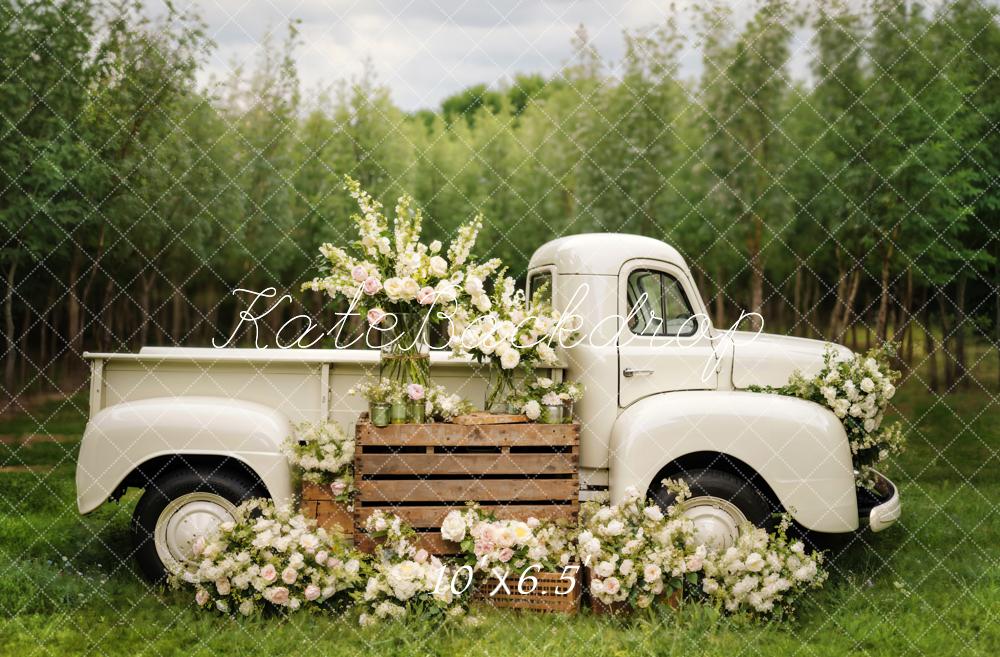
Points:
[182,505]
[721,505]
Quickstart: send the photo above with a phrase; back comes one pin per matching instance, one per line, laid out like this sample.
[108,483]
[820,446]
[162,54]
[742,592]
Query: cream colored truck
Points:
[200,429]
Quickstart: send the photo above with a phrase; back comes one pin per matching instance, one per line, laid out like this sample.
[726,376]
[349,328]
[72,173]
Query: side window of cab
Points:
[658,306]
[541,281]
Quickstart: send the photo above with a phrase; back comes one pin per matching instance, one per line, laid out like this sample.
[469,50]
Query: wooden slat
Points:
[410,464]
[430,541]
[482,417]
[462,490]
[453,435]
[548,596]
[432,516]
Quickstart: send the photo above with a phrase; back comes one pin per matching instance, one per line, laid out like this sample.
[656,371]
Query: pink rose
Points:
[420,556]
[268,573]
[375,316]
[426,296]
[311,592]
[415,391]
[612,585]
[201,597]
[505,554]
[359,273]
[483,547]
[279,595]
[289,575]
[337,488]
[322,556]
[371,286]
[222,586]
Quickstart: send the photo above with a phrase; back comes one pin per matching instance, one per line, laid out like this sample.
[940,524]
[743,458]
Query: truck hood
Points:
[769,360]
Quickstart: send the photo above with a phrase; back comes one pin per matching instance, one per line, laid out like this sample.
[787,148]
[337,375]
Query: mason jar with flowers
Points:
[398,283]
[509,334]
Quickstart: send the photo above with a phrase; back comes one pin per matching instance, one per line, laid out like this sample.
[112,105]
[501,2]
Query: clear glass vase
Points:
[405,356]
[499,390]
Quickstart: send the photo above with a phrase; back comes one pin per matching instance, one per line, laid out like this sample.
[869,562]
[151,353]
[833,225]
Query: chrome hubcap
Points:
[717,522]
[183,521]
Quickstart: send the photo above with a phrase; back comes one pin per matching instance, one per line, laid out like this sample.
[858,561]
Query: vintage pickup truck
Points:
[200,429]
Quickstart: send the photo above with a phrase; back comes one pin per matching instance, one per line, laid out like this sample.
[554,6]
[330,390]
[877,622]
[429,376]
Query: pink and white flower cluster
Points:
[405,578]
[509,331]
[857,389]
[762,573]
[442,406]
[392,271]
[634,551]
[269,557]
[488,542]
[325,454]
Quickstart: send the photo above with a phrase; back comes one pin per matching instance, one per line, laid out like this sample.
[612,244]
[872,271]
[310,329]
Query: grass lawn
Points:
[928,586]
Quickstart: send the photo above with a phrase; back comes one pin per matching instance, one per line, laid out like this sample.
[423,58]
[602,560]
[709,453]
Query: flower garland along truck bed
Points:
[420,472]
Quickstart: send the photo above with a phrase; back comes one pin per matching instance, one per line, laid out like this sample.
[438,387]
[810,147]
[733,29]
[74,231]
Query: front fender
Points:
[799,448]
[122,437]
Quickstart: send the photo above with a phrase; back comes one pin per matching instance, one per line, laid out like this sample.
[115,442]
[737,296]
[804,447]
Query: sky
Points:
[423,50]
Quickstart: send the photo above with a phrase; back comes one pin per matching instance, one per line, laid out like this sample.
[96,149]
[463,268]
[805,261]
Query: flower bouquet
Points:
[441,406]
[762,573]
[405,579]
[324,453]
[395,280]
[549,402]
[269,558]
[527,564]
[508,334]
[635,552]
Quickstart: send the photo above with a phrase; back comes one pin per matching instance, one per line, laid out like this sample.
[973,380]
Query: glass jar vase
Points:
[405,353]
[379,414]
[499,390]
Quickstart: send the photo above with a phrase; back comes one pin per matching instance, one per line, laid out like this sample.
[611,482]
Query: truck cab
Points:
[667,397]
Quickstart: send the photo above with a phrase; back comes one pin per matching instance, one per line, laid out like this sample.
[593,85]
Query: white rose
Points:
[625,568]
[543,382]
[867,384]
[614,528]
[754,562]
[510,359]
[482,303]
[453,527]
[532,410]
[410,288]
[445,292]
[604,569]
[394,288]
[438,266]
[651,572]
[653,513]
[474,285]
[546,353]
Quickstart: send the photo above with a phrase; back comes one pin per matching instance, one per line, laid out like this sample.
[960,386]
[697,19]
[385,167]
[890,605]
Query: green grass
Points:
[928,586]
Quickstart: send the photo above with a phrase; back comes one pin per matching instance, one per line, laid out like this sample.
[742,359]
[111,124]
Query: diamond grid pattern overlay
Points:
[295,236]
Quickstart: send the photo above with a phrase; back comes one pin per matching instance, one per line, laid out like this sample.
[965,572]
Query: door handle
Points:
[629,372]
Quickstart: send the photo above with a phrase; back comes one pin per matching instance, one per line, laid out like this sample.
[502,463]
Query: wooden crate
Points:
[420,472]
[552,593]
[318,502]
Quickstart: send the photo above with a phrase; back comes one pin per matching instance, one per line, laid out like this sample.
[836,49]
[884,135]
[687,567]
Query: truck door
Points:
[666,342]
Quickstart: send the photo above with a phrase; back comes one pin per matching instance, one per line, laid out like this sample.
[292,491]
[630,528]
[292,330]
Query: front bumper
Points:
[879,508]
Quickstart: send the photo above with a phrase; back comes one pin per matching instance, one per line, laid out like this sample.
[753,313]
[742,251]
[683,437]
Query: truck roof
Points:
[601,253]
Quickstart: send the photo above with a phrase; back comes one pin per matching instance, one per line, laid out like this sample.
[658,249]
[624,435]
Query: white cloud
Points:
[423,51]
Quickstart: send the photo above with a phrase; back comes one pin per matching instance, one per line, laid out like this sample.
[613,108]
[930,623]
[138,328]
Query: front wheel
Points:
[721,505]
[180,506]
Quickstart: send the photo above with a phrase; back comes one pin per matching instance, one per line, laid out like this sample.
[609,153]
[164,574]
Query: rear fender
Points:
[121,438]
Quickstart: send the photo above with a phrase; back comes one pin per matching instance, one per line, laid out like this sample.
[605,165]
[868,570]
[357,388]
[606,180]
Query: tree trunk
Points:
[756,272]
[720,306]
[949,369]
[74,326]
[881,320]
[930,350]
[176,317]
[145,294]
[906,320]
[797,301]
[958,339]
[8,324]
